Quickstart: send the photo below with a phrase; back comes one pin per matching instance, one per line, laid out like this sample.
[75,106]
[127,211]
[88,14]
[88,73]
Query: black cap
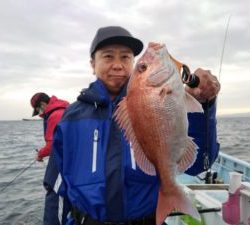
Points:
[115,35]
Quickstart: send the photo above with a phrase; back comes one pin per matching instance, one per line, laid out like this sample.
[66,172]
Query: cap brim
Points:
[133,43]
[35,112]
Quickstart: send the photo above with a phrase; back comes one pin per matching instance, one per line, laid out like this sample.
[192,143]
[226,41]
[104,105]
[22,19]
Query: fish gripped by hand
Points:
[154,117]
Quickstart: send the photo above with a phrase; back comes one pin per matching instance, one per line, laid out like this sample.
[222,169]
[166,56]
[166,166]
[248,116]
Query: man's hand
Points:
[208,87]
[39,158]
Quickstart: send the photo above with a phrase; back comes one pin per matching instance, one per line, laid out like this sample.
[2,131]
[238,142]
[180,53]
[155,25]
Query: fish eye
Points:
[141,67]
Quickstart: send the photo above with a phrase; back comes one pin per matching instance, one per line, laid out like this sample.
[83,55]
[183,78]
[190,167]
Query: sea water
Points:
[22,202]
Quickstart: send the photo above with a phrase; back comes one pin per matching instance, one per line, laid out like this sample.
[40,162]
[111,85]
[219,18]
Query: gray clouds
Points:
[44,45]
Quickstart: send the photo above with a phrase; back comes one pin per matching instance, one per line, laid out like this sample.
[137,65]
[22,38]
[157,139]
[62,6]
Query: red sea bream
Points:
[154,117]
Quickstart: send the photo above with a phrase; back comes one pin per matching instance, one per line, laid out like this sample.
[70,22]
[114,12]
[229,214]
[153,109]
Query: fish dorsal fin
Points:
[122,117]
[192,104]
[189,156]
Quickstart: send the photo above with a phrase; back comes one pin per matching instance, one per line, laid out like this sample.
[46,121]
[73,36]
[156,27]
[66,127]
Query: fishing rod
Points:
[210,176]
[193,81]
[223,47]
[18,175]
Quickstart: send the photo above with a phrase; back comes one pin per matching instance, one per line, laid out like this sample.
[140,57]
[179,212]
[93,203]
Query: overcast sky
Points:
[44,45]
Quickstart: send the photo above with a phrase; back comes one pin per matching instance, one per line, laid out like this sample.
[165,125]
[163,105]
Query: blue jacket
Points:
[99,174]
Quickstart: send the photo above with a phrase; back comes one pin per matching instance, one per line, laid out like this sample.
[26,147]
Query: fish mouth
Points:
[161,70]
[159,77]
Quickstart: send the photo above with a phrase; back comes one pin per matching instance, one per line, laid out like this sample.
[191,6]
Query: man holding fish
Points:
[120,145]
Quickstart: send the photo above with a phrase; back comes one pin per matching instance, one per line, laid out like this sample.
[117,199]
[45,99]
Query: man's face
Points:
[41,108]
[113,64]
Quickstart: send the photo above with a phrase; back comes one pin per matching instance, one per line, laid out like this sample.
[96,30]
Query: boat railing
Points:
[226,163]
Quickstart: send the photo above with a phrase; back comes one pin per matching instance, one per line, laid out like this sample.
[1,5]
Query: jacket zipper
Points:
[94,159]
[132,157]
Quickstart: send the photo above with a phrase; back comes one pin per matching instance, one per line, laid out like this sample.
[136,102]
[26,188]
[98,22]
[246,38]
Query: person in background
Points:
[51,110]
[94,158]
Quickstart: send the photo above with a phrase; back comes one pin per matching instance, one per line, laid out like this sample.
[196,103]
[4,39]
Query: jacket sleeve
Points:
[202,127]
[57,157]
[51,124]
[45,151]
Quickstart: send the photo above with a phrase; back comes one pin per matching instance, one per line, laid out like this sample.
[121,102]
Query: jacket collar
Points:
[98,95]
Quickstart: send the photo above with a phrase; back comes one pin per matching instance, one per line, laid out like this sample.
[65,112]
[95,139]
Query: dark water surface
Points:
[22,202]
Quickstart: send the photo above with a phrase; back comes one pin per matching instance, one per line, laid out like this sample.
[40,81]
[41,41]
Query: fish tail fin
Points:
[178,201]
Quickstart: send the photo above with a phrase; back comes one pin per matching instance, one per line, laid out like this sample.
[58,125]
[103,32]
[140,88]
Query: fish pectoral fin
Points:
[192,104]
[189,156]
[122,117]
